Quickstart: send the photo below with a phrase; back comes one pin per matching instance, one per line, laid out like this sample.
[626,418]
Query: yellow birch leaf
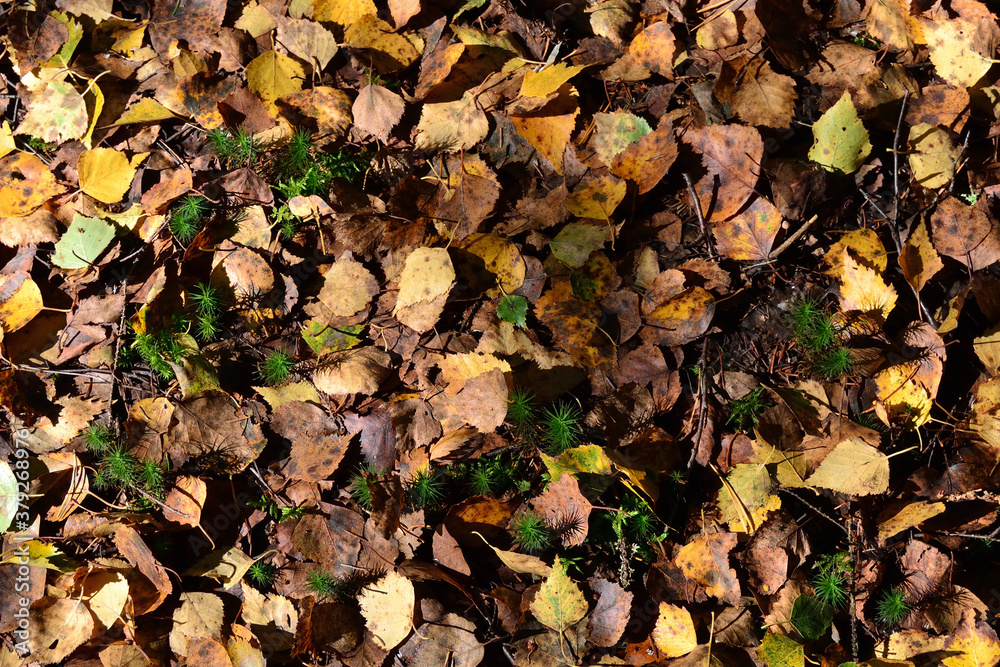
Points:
[933,155]
[22,300]
[900,395]
[424,284]
[388,50]
[6,140]
[387,606]
[272,75]
[975,643]
[954,49]
[853,467]
[596,196]
[547,81]
[840,140]
[865,247]
[105,174]
[864,290]
[25,184]
[342,12]
[559,602]
[910,515]
[674,632]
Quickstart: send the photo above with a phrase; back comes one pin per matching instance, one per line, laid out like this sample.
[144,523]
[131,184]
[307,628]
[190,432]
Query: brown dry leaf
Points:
[387,606]
[377,110]
[863,289]
[450,641]
[559,602]
[481,403]
[919,260]
[186,500]
[564,506]
[196,23]
[750,234]
[854,468]
[988,350]
[387,50]
[424,284]
[550,129]
[571,320]
[731,156]
[457,369]
[449,127]
[210,424]
[25,184]
[308,40]
[36,227]
[348,287]
[20,300]
[466,198]
[200,615]
[705,560]
[58,627]
[209,653]
[596,196]
[933,156]
[317,445]
[610,616]
[227,565]
[757,94]
[35,37]
[647,160]
[966,233]
[357,371]
[674,632]
[135,551]
[654,49]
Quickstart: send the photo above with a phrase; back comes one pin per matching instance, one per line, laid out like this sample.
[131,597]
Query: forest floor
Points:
[341,332]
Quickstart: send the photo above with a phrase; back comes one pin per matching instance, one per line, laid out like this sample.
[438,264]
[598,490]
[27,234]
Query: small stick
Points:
[701,217]
[791,239]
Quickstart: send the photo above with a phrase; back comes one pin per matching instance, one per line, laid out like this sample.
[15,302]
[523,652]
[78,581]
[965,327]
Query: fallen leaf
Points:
[674,631]
[199,616]
[550,129]
[20,300]
[757,94]
[424,284]
[186,500]
[854,468]
[387,606]
[933,156]
[750,234]
[348,287]
[840,140]
[965,233]
[377,110]
[449,127]
[387,50]
[654,48]
[731,156]
[960,51]
[862,289]
[909,516]
[919,260]
[358,371]
[596,196]
[646,161]
[329,108]
[25,184]
[308,40]
[705,560]
[58,627]
[272,75]
[82,243]
[559,602]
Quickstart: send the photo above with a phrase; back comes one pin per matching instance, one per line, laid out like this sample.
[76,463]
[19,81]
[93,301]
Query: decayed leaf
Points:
[674,631]
[329,108]
[199,616]
[185,501]
[57,112]
[853,467]
[501,258]
[348,287]
[105,174]
[888,20]
[358,371]
[681,319]
[424,284]
[975,643]
[731,155]
[377,110]
[58,627]
[248,272]
[227,565]
[449,127]
[840,140]
[25,184]
[757,94]
[919,260]
[654,48]
[559,602]
[750,234]
[596,196]
[781,651]
[81,244]
[387,606]
[966,233]
[864,290]
[550,129]
[705,560]
[616,132]
[308,40]
[960,51]
[933,155]
[646,161]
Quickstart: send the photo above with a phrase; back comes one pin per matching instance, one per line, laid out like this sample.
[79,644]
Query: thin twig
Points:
[702,225]
[895,174]
[791,239]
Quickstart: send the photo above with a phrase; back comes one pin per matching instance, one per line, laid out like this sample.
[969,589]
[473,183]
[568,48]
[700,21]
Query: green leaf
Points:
[82,243]
[324,340]
[513,308]
[559,602]
[573,245]
[811,617]
[781,651]
[840,140]
[8,496]
[590,459]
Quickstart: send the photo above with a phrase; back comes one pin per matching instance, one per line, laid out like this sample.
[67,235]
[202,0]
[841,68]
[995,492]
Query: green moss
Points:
[276,368]
[530,533]
[561,425]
